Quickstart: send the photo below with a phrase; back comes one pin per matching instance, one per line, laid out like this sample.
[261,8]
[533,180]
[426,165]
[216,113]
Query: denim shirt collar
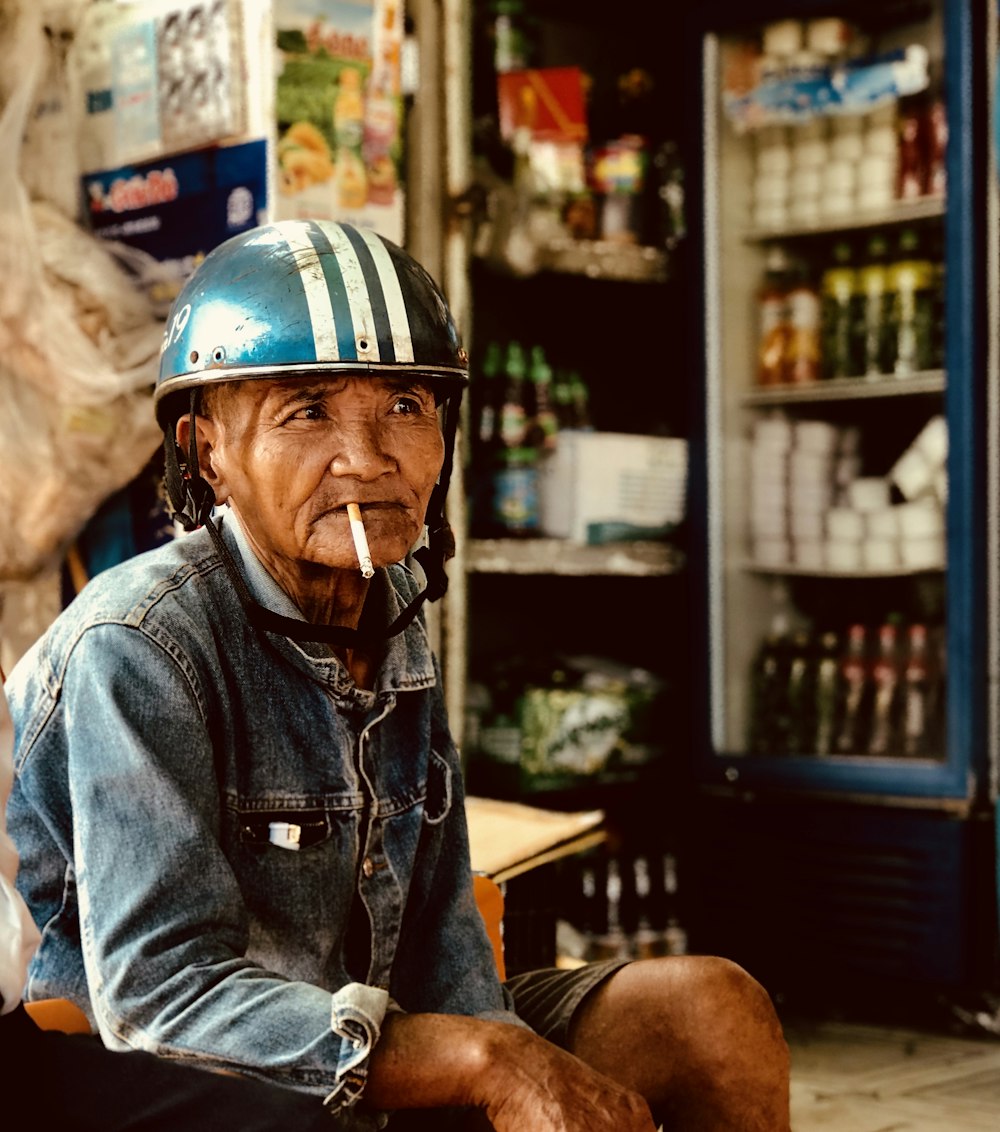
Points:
[407,662]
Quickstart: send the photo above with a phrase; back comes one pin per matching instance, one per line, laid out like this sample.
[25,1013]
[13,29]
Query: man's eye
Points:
[406,406]
[313,412]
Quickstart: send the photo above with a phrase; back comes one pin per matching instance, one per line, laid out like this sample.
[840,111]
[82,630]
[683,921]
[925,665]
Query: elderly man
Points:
[237,799]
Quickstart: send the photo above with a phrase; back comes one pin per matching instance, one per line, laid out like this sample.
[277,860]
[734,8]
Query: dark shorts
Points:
[548,999]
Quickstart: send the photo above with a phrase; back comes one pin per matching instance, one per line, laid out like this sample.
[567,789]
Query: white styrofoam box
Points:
[612,478]
[807,526]
[923,518]
[812,468]
[846,470]
[912,473]
[770,215]
[883,523]
[941,486]
[847,147]
[771,189]
[816,436]
[844,525]
[768,460]
[926,552]
[773,431]
[773,160]
[810,497]
[880,554]
[768,523]
[810,554]
[843,555]
[771,551]
[932,441]
[868,493]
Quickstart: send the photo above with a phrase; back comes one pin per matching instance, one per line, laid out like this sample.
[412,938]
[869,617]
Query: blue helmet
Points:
[302,296]
[307,297]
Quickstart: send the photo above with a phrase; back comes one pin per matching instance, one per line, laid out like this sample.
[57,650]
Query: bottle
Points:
[910,287]
[852,730]
[801,695]
[827,680]
[911,161]
[837,289]
[870,301]
[646,941]
[544,425]
[510,38]
[613,943]
[580,402]
[936,137]
[675,941]
[917,694]
[772,316]
[888,693]
[487,392]
[802,347]
[768,696]
[515,478]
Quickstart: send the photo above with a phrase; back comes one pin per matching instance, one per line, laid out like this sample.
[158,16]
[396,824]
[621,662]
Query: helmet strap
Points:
[191,497]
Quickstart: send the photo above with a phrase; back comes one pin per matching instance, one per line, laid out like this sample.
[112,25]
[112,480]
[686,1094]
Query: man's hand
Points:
[520,1081]
[533,1085]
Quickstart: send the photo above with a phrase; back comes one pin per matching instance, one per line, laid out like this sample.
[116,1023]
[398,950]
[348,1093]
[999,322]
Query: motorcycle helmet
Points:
[304,297]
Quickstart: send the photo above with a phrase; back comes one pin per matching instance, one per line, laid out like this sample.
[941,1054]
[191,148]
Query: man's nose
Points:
[359,450]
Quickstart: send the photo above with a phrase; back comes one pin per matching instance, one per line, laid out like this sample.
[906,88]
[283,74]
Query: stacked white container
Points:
[771,444]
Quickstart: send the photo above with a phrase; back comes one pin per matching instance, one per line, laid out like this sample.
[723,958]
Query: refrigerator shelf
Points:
[606,259]
[558,556]
[850,389]
[902,212]
[806,572]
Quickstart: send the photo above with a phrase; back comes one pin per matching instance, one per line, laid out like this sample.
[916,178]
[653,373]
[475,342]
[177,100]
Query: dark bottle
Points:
[646,940]
[855,684]
[769,697]
[487,396]
[826,688]
[887,701]
[515,470]
[612,943]
[837,288]
[801,696]
[675,939]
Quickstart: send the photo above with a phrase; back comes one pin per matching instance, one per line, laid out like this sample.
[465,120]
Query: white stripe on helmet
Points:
[357,293]
[317,295]
[399,321]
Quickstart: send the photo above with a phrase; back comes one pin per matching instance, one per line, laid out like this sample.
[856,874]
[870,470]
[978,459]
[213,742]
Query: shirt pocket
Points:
[288,829]
[437,803]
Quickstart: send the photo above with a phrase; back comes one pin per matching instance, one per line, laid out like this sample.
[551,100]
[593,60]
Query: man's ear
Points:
[208,435]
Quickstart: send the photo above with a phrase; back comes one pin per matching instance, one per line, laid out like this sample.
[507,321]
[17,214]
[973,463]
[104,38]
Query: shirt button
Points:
[368,866]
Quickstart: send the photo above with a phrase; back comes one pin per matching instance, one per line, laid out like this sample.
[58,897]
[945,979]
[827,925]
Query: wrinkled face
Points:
[290,454]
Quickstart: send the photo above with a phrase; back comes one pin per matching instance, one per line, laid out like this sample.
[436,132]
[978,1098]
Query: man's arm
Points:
[518,1079]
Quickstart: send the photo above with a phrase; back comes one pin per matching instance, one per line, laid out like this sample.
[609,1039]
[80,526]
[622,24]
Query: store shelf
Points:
[902,212]
[606,259]
[850,389]
[558,556]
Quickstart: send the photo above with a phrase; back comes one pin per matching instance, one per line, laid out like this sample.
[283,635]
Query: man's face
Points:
[290,454]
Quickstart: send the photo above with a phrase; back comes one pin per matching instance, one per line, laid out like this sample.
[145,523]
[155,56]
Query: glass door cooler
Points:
[845,754]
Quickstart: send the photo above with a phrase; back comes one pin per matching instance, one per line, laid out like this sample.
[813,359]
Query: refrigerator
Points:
[842,843]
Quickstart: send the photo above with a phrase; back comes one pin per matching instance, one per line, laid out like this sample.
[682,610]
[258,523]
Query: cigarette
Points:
[360,540]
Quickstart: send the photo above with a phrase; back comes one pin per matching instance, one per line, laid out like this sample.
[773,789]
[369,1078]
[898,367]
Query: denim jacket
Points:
[202,808]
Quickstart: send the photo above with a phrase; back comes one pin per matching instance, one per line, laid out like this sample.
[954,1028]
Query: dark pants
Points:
[71,1082]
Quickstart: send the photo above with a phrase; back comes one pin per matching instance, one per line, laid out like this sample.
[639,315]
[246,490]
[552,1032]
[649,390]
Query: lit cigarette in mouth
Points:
[360,540]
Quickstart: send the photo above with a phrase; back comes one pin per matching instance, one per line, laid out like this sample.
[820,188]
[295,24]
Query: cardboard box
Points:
[599,487]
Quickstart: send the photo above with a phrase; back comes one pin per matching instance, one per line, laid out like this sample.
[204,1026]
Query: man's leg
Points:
[696,1036]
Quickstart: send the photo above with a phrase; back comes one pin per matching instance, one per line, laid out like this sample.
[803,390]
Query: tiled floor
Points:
[859,1078]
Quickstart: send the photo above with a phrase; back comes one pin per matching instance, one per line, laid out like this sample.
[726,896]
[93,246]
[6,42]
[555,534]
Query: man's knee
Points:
[702,1014]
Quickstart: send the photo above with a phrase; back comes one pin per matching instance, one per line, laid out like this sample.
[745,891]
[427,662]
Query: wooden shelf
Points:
[850,389]
[558,556]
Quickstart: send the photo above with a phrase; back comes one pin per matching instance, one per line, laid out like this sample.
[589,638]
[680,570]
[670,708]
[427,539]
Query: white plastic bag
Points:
[78,353]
